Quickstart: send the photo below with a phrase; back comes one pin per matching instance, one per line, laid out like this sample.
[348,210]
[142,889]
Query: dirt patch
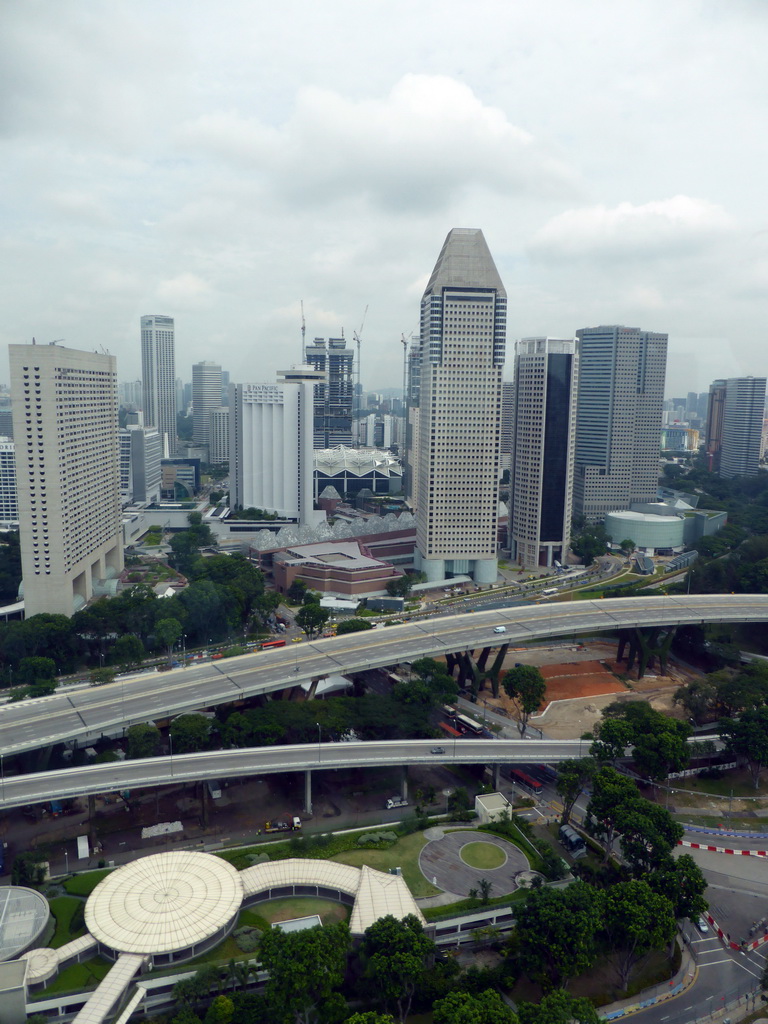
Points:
[585,679]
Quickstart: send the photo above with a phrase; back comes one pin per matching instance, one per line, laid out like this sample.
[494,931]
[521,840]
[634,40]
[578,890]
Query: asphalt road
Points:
[85,715]
[20,790]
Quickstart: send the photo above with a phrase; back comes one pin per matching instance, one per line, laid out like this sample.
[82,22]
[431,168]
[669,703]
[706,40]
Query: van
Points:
[500,629]
[395,801]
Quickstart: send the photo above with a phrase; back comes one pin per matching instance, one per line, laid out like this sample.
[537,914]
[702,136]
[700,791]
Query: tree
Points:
[485,889]
[128,651]
[627,547]
[102,676]
[658,753]
[698,699]
[304,968]
[572,778]
[311,617]
[747,737]
[190,733]
[636,920]
[525,686]
[557,933]
[368,1017]
[589,542]
[33,670]
[168,632]
[400,586]
[682,882]
[464,1008]
[649,834]
[612,795]
[614,735]
[353,626]
[143,740]
[296,591]
[559,1008]
[220,1011]
[396,955]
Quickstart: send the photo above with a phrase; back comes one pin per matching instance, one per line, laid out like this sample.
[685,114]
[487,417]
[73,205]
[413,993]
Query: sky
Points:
[223,163]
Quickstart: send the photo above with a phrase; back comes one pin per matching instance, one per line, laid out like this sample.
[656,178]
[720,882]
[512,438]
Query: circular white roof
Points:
[164,903]
[23,916]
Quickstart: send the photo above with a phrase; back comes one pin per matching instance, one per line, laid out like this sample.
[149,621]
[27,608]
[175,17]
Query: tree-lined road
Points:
[85,715]
[18,790]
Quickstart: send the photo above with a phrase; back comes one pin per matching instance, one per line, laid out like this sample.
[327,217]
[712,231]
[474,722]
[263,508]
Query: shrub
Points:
[247,938]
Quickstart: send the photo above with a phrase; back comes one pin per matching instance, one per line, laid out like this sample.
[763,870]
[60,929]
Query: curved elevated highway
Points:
[215,764]
[85,715]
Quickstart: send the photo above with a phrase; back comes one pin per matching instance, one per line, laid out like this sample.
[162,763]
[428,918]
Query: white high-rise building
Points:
[543,441]
[271,445]
[507,424]
[218,444]
[9,498]
[65,424]
[141,453]
[618,418]
[742,426]
[158,369]
[463,328]
[206,396]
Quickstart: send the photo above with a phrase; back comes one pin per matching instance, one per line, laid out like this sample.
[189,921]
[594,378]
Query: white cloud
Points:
[632,232]
[428,141]
[185,291]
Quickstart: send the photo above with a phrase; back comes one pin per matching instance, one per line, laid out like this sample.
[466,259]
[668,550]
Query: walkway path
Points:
[440,863]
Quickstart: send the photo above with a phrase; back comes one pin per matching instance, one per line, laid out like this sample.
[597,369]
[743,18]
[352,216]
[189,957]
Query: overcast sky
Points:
[219,163]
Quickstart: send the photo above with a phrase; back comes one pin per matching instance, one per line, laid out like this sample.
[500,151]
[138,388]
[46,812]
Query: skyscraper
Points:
[463,328]
[206,396]
[270,445]
[742,427]
[618,418]
[65,422]
[507,424]
[715,411]
[334,394]
[158,370]
[543,441]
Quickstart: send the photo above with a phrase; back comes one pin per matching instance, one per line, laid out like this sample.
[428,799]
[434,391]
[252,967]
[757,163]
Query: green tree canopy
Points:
[559,1008]
[636,920]
[747,737]
[143,740]
[168,633]
[312,618]
[526,687]
[557,932]
[353,626]
[305,968]
[128,651]
[396,955]
[682,882]
[572,779]
[465,1008]
[613,795]
[190,733]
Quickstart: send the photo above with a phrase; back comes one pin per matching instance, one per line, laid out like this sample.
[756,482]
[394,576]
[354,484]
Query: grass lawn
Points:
[299,906]
[76,978]
[83,885]
[404,854]
[737,782]
[482,855]
[63,908]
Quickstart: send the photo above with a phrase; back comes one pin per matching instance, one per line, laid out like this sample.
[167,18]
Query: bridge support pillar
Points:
[313,687]
[451,661]
[308,792]
[646,646]
[404,783]
[484,655]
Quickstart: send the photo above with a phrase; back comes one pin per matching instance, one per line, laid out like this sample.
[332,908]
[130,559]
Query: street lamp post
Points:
[184,649]
[170,740]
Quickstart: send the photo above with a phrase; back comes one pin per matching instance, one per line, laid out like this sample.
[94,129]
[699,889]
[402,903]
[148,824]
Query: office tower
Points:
[334,395]
[179,396]
[224,388]
[507,425]
[714,428]
[206,396]
[131,394]
[65,420]
[463,327]
[270,445]
[218,446]
[141,453]
[618,418]
[543,447]
[742,426]
[409,451]
[158,369]
[9,498]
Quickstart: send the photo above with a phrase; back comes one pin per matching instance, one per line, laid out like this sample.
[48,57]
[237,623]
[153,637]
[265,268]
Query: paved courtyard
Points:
[440,862]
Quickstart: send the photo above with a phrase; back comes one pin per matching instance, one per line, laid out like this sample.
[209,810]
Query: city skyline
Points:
[324,178]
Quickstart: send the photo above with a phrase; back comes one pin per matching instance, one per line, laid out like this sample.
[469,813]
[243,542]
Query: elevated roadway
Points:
[85,715]
[19,790]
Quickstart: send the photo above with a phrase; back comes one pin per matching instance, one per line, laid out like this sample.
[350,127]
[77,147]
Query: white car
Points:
[702,925]
[499,629]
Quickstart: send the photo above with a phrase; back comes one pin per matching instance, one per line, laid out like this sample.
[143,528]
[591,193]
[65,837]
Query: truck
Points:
[283,826]
[395,801]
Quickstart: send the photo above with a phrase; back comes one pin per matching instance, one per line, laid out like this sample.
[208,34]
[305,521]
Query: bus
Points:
[448,710]
[523,779]
[549,591]
[468,725]
[272,643]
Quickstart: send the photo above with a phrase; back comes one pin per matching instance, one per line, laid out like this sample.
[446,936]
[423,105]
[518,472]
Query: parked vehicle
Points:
[395,801]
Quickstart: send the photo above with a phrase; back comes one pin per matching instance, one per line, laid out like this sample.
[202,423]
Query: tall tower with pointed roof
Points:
[463,329]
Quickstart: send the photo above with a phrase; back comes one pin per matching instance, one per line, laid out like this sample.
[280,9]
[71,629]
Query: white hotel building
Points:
[66,434]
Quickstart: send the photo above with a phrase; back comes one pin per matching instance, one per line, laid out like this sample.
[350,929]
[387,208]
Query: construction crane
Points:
[303,333]
[357,337]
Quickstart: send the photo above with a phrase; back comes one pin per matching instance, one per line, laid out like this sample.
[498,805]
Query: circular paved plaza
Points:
[440,862]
